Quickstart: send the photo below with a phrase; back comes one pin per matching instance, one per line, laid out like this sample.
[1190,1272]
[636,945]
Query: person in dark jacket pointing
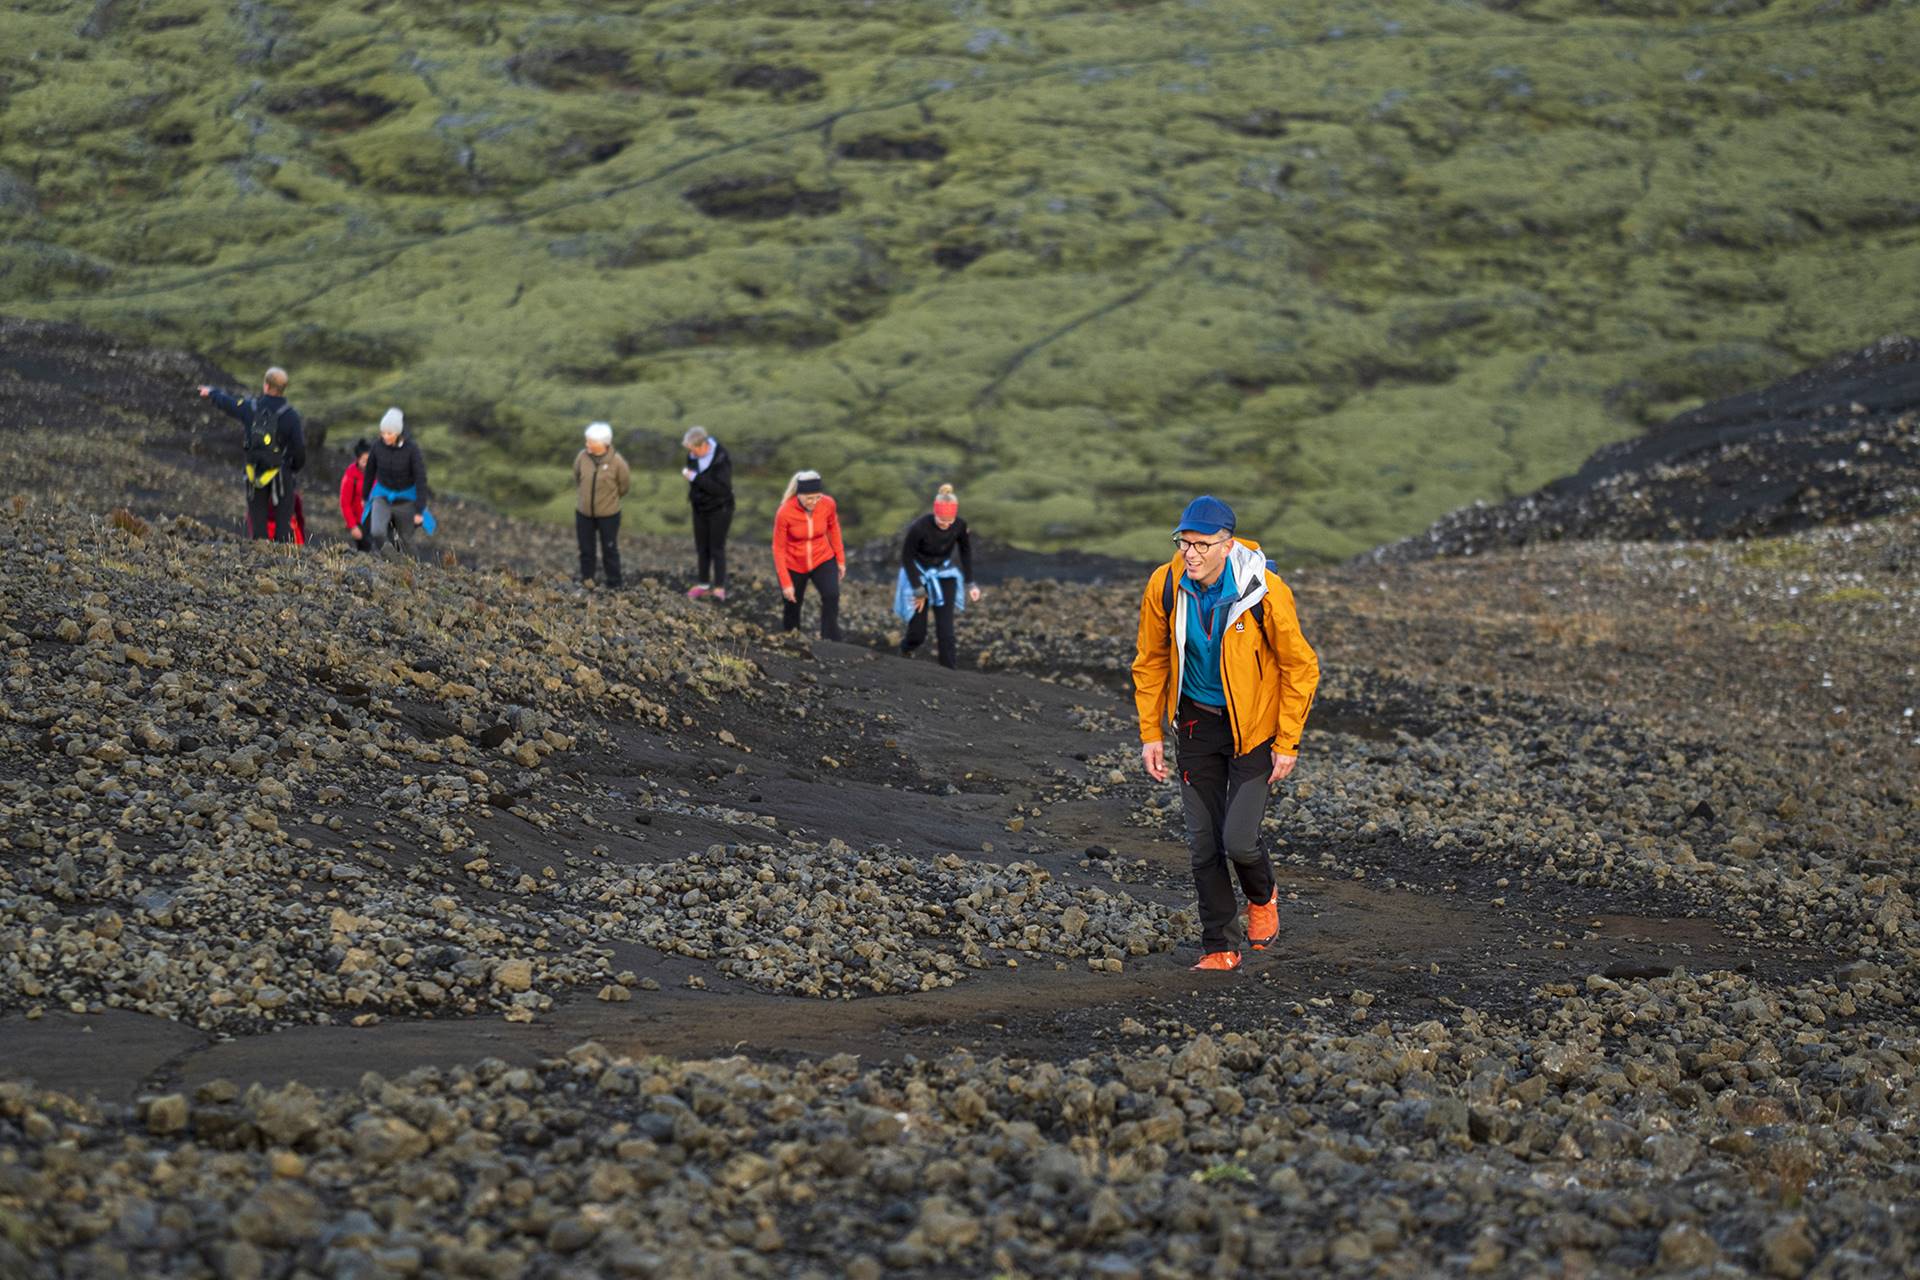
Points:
[276,445]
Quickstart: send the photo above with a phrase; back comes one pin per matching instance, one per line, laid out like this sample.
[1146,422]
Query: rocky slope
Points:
[1275,250]
[442,918]
[1835,444]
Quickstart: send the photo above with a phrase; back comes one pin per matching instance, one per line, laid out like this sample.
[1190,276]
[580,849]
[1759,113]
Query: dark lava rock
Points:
[1834,444]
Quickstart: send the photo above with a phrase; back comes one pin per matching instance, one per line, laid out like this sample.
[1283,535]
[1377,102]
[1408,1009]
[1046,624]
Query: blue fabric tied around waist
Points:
[933,581]
[409,494]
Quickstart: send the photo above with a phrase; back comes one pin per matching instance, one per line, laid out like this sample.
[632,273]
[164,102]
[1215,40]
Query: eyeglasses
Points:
[1189,547]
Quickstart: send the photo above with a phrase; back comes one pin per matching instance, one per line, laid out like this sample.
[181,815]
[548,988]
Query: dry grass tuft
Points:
[125,520]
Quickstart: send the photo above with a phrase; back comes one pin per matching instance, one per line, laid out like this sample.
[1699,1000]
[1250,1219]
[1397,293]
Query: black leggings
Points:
[710,544]
[1225,796]
[947,646]
[825,578]
[605,532]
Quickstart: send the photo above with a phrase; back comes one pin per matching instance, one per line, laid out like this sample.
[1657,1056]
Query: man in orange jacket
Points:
[1220,654]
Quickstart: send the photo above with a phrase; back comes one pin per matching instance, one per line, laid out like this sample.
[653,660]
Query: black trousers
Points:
[916,636]
[825,578]
[604,530]
[710,544]
[1225,797]
[272,504]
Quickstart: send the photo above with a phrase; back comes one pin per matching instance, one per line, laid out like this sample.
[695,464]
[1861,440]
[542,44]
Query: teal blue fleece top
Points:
[1206,619]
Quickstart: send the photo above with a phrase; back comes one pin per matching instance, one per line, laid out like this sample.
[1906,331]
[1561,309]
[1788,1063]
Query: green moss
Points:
[1777,553]
[1349,280]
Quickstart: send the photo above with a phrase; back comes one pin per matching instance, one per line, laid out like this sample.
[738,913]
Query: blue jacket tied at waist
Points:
[409,494]
[933,581]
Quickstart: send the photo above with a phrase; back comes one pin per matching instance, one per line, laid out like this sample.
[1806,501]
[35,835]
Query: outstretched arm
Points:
[224,402]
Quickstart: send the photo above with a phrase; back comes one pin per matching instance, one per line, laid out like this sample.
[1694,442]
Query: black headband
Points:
[808,486]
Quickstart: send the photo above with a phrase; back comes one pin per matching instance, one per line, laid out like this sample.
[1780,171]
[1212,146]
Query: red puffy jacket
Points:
[804,540]
[353,494]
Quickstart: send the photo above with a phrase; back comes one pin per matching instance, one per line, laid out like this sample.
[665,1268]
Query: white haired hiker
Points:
[600,480]
[709,476]
[807,548]
[930,581]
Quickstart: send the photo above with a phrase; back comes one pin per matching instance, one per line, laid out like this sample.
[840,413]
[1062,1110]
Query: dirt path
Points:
[999,742]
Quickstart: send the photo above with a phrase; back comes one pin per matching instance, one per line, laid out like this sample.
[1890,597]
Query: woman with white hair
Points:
[396,473]
[709,476]
[807,548]
[600,479]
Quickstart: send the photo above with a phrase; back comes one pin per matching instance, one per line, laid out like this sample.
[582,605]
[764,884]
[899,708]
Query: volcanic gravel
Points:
[825,921]
[242,787]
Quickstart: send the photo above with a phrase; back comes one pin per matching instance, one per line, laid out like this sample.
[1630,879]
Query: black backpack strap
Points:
[1166,594]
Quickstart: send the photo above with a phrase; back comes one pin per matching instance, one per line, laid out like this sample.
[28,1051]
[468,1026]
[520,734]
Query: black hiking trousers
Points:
[945,642]
[825,578]
[271,504]
[710,544]
[1225,797]
[603,531]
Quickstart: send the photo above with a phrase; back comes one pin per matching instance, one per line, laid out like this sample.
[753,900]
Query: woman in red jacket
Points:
[807,548]
[353,494]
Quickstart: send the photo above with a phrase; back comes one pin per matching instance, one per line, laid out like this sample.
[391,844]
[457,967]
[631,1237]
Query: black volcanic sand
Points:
[1830,445]
[446,918]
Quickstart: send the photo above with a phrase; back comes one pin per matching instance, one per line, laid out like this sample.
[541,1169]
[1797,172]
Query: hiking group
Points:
[388,473]
[1219,655]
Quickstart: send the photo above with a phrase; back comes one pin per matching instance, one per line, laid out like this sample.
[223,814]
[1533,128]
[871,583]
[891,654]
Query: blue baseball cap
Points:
[1206,514]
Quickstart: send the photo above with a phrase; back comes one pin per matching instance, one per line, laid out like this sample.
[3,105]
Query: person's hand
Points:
[919,603]
[787,592]
[689,473]
[1154,756]
[973,595]
[354,533]
[419,518]
[843,573]
[205,392]
[1282,766]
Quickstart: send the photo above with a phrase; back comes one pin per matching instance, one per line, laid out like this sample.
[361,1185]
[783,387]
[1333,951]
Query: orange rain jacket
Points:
[804,540]
[1268,669]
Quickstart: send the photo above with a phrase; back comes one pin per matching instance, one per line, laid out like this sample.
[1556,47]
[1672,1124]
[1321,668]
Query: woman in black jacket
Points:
[396,473]
[927,563]
[709,475]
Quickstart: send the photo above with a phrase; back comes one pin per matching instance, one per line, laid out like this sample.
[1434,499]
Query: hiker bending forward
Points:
[930,582]
[396,474]
[807,549]
[1220,654]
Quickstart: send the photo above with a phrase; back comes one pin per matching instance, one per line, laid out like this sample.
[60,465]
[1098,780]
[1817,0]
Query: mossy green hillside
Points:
[1348,265]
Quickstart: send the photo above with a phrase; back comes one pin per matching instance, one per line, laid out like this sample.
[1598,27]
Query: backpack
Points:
[1259,609]
[266,448]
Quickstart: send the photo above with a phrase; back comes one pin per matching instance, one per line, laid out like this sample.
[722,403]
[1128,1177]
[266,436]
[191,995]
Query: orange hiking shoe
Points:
[1218,962]
[1263,921]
